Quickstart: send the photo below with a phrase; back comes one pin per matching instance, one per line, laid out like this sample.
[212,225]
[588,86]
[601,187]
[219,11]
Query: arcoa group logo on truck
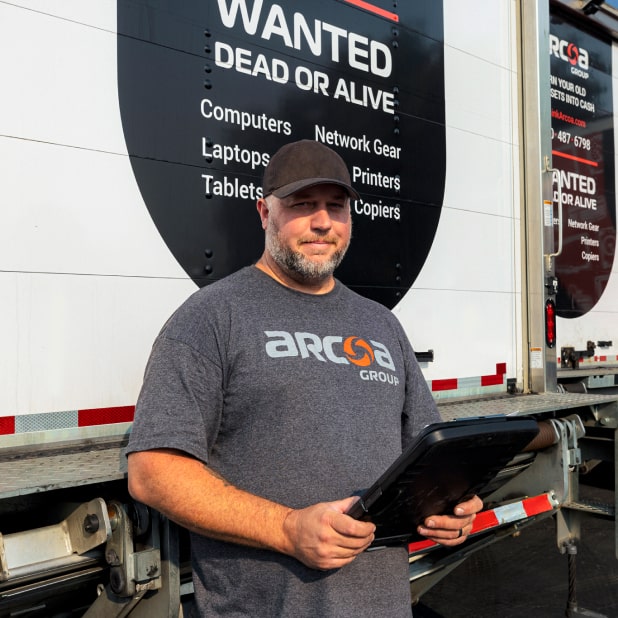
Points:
[583,152]
[209,89]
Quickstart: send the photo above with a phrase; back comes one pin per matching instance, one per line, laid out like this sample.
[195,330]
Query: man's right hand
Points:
[186,491]
[323,537]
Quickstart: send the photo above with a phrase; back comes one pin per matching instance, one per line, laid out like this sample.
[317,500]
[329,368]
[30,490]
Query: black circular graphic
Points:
[209,89]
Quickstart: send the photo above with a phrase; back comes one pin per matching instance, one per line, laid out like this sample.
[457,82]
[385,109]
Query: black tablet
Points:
[447,463]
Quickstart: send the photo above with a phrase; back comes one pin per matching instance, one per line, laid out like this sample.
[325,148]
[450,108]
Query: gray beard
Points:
[298,266]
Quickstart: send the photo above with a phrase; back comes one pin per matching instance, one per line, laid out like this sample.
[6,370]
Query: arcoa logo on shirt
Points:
[336,349]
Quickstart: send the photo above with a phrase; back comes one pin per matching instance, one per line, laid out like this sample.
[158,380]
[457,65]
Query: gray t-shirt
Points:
[300,399]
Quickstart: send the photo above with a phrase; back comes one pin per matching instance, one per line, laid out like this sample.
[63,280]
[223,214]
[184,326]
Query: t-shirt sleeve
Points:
[420,408]
[179,406]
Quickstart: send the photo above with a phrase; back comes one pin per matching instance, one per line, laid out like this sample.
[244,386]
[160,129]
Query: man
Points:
[255,427]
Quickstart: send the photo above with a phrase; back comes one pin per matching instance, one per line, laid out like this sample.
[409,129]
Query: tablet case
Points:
[447,463]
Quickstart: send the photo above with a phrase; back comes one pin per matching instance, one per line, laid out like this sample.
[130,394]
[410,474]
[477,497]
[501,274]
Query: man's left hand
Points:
[451,530]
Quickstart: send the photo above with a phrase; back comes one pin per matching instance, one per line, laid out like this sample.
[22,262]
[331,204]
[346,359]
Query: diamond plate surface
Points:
[520,404]
[44,472]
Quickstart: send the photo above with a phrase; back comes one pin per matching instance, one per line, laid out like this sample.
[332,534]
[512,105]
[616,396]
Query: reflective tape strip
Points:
[26,423]
[501,515]
[458,384]
[7,425]
[105,416]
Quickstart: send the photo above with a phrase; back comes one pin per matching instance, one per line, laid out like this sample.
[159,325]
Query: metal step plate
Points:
[517,405]
[33,472]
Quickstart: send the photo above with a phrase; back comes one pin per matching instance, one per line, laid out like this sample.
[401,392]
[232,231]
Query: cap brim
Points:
[294,187]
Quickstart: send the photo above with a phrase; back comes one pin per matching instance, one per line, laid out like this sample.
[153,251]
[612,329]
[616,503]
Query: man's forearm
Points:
[194,496]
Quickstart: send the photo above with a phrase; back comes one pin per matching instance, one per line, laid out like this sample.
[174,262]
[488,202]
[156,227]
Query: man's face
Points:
[308,233]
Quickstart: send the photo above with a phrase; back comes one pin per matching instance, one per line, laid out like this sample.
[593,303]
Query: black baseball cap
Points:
[303,164]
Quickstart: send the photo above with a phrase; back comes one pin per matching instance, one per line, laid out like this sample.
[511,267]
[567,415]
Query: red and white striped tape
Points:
[501,515]
[10,425]
[458,384]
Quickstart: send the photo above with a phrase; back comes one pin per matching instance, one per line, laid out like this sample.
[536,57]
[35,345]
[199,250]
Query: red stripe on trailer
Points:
[105,416]
[7,425]
[420,546]
[492,380]
[496,379]
[538,504]
[444,385]
[486,520]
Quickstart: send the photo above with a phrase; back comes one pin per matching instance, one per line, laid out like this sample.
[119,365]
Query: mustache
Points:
[327,239]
